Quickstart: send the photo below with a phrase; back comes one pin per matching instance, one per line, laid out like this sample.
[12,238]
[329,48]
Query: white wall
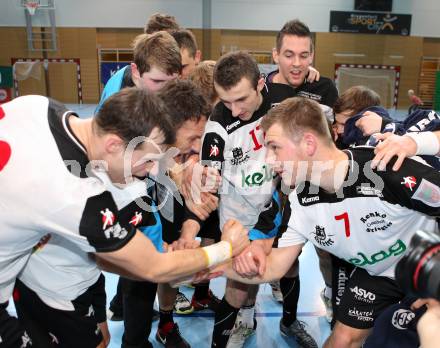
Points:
[226,14]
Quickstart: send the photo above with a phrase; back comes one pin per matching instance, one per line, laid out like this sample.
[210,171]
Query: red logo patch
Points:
[214,151]
[2,113]
[136,219]
[5,154]
[409,182]
[108,218]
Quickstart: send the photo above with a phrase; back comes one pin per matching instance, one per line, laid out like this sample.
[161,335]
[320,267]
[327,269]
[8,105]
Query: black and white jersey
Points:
[323,91]
[46,188]
[59,271]
[370,222]
[237,148]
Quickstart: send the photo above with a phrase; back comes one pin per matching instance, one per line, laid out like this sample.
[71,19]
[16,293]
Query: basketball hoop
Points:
[31,6]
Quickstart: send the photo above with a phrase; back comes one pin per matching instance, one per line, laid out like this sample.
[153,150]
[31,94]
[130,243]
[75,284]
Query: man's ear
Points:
[198,57]
[310,143]
[275,55]
[260,84]
[113,144]
[135,75]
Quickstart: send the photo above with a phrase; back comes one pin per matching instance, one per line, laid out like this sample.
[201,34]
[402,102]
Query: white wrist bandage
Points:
[427,143]
[218,253]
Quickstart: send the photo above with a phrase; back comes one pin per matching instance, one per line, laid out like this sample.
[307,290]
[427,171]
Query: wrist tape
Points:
[218,253]
[427,143]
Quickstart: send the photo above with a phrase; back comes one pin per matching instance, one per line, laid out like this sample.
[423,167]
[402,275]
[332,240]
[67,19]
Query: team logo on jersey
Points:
[394,250]
[136,219]
[257,178]
[239,156]
[428,193]
[5,148]
[321,237]
[401,318]
[376,222]
[214,151]
[233,125]
[363,295]
[307,200]
[368,191]
[361,315]
[409,182]
[108,218]
[25,340]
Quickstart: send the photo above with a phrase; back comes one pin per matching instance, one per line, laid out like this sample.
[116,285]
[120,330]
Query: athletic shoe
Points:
[276,291]
[169,335]
[297,331]
[211,302]
[114,316]
[241,332]
[328,306]
[182,304]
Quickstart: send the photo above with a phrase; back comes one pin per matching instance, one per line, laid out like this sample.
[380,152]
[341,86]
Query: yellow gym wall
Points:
[83,43]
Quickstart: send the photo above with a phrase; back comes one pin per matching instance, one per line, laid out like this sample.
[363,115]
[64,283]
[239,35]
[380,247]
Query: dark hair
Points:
[203,77]
[133,112]
[296,116]
[160,21]
[183,101]
[158,49]
[294,27]
[185,39]
[233,66]
[356,99]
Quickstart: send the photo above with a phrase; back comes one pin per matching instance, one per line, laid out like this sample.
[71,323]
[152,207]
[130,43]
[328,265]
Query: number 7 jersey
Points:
[373,217]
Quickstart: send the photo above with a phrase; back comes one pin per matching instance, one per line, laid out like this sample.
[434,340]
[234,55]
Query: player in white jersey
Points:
[341,205]
[58,195]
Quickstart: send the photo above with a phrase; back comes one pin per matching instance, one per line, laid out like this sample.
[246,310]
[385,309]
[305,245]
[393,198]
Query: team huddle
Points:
[191,170]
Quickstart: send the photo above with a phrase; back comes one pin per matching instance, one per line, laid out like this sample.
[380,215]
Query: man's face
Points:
[154,79]
[283,154]
[188,62]
[294,59]
[188,136]
[340,119]
[242,99]
[126,163]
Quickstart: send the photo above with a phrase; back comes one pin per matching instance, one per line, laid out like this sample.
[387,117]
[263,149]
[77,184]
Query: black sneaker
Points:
[211,302]
[169,335]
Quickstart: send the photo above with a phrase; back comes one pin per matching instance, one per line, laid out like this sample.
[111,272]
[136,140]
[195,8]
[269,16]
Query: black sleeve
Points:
[331,94]
[101,226]
[415,186]
[212,152]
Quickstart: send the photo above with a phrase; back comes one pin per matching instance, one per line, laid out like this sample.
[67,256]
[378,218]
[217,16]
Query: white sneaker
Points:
[276,291]
[328,306]
[182,305]
[241,331]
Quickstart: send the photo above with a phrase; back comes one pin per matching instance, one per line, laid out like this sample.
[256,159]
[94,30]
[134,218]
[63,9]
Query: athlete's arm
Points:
[140,259]
[277,264]
[401,146]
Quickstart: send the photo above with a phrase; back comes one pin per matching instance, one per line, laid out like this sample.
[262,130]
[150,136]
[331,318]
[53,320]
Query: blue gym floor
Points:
[197,327]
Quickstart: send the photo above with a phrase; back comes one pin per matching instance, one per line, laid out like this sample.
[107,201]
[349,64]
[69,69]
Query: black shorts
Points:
[11,332]
[365,297]
[49,327]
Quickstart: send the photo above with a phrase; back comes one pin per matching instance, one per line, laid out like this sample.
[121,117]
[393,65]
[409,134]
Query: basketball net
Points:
[32,6]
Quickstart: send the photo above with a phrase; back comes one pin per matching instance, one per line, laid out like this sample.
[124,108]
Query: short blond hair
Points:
[296,116]
[203,77]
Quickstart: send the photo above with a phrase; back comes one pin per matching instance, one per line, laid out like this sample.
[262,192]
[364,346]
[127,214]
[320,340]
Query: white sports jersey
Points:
[372,221]
[46,189]
[237,148]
